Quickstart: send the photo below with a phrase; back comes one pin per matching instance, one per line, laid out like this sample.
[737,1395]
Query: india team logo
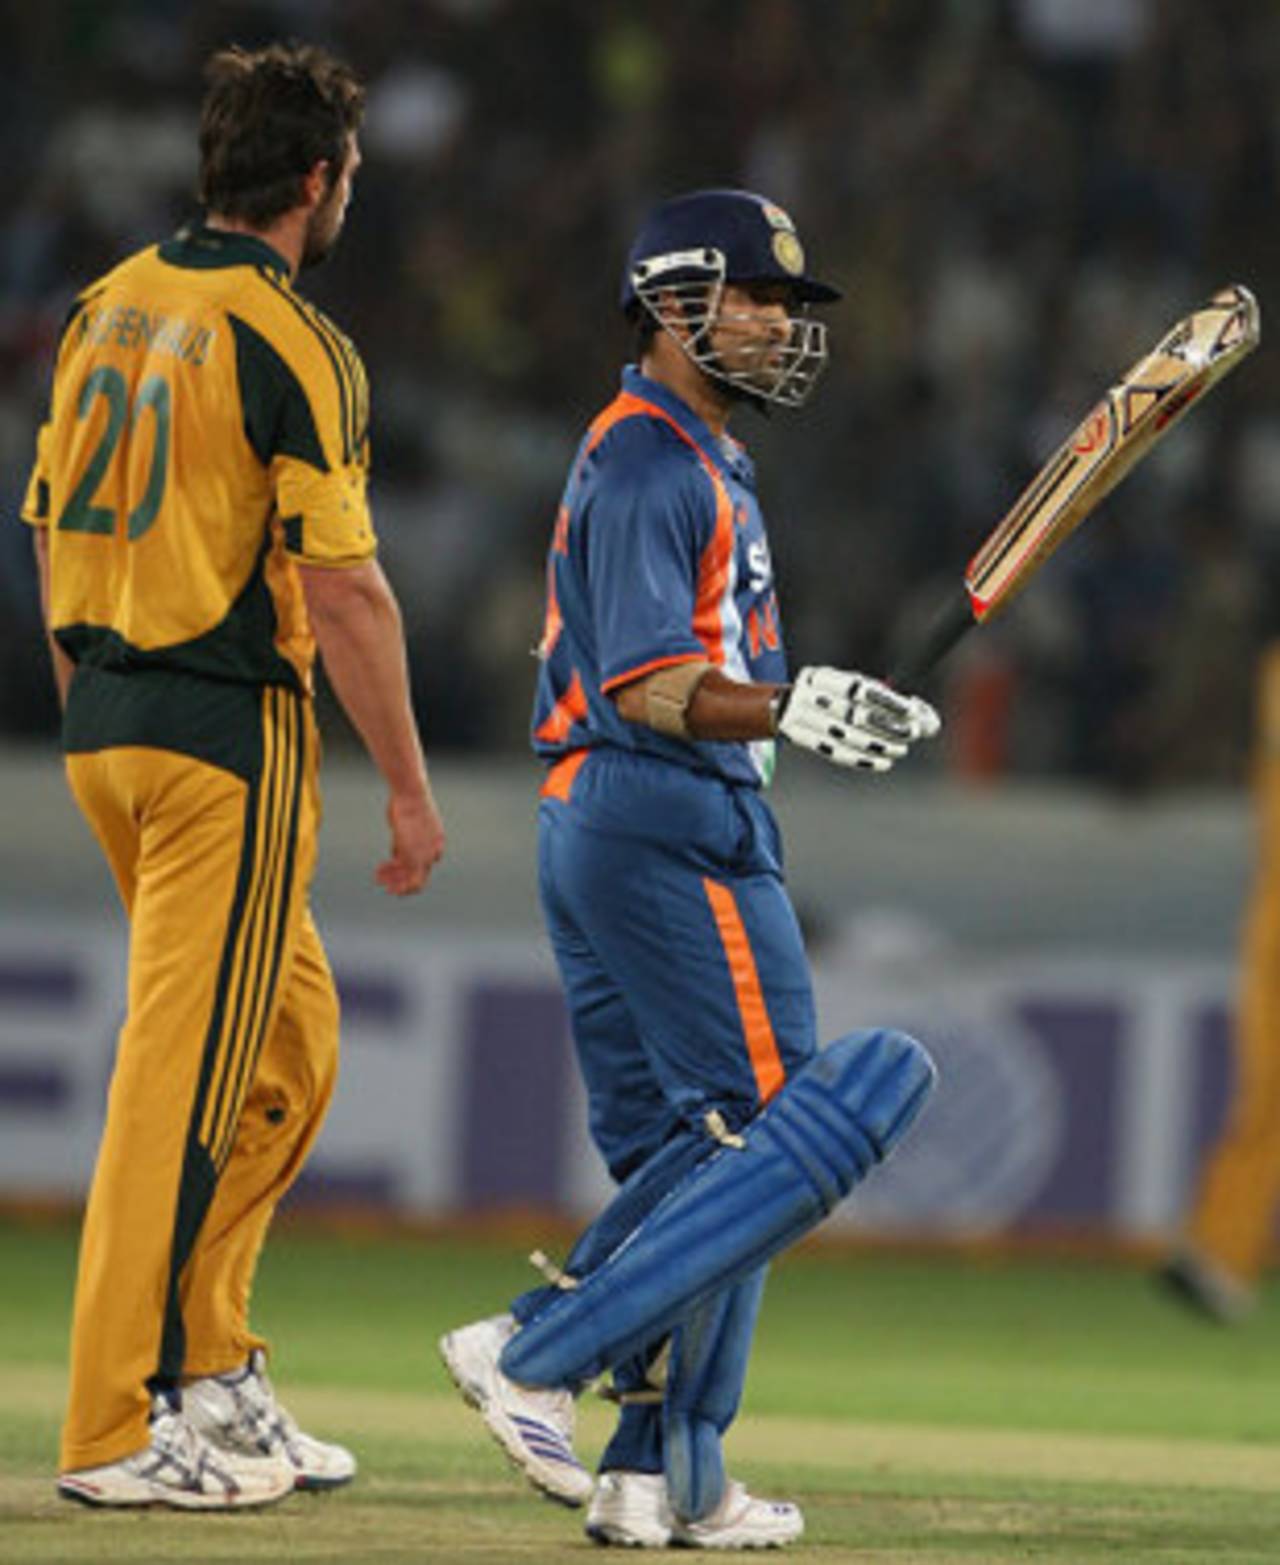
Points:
[788,252]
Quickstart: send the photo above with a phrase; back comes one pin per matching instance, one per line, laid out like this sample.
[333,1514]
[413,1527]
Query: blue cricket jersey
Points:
[659,556]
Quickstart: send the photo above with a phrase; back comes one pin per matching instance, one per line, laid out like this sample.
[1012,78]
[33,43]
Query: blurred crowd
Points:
[1019,196]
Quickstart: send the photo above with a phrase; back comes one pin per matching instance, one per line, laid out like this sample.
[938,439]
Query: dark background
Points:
[1018,196]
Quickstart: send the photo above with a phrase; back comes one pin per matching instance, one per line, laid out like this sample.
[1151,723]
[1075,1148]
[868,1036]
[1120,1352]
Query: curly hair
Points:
[268,117]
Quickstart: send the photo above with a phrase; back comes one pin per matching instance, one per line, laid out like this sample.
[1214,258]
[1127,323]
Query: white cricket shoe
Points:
[1207,1287]
[742,1522]
[630,1510]
[533,1426]
[238,1412]
[181,1469]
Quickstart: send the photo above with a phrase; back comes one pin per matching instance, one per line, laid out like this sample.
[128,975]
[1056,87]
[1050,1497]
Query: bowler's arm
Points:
[360,634]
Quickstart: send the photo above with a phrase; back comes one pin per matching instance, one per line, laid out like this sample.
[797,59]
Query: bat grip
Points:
[952,618]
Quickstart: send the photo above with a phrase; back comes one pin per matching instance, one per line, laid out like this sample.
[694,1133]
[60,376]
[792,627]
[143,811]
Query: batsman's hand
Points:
[417,844]
[853,720]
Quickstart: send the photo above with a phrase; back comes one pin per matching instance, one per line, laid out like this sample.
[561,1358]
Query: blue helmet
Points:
[720,235]
[689,250]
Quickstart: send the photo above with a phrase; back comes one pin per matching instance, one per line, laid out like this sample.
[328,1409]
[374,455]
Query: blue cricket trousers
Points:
[680,953]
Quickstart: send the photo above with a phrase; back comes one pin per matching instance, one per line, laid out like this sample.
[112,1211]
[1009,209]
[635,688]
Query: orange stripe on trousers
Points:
[559,779]
[757,1029]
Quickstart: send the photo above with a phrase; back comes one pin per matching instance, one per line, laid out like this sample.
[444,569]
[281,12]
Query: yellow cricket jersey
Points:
[207,428]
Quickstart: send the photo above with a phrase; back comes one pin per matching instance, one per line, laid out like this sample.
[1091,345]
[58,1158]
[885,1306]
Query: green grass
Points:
[975,1412]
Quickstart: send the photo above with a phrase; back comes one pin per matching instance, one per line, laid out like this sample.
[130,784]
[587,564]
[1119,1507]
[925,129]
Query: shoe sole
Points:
[736,1545]
[611,1538]
[308,1483]
[731,1542]
[170,1502]
[475,1399]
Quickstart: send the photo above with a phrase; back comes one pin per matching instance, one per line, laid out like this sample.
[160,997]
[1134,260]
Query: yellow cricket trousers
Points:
[1234,1216]
[224,1066]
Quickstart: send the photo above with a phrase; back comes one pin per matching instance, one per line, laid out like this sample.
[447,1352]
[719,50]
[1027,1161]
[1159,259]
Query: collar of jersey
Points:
[725,452]
[199,246]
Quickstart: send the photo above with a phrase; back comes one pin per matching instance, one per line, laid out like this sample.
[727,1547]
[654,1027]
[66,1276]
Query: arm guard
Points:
[667,694]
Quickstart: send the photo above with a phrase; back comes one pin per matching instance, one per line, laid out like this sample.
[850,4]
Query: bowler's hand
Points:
[853,720]
[417,844]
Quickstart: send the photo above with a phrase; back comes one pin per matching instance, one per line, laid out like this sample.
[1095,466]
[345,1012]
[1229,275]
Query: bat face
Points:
[1136,412]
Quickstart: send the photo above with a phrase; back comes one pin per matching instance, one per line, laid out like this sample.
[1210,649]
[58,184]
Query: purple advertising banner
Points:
[1073,1095]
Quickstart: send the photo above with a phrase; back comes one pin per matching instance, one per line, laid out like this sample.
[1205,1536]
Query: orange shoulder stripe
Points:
[717,557]
[639,672]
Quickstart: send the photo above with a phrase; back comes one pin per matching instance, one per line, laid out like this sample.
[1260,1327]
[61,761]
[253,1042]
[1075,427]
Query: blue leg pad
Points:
[709,1353]
[823,1132]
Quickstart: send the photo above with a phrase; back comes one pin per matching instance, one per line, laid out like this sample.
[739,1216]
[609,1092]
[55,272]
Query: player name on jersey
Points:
[129,327]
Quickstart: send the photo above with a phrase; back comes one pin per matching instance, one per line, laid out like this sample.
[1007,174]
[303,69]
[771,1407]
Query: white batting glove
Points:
[853,720]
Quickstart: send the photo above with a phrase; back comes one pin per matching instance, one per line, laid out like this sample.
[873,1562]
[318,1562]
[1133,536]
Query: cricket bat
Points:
[1140,409]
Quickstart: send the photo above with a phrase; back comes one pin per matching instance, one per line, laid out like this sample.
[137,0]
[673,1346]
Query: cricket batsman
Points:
[662,694]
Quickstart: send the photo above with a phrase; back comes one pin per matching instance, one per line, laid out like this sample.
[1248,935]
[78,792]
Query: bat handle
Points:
[953,617]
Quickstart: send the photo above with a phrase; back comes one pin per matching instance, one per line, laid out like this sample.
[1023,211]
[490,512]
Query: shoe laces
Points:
[555,1406]
[178,1448]
[267,1423]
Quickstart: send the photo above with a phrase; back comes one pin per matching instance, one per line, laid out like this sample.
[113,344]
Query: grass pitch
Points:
[954,1409]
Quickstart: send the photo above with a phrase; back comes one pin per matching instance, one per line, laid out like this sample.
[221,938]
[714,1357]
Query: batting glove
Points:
[852,720]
